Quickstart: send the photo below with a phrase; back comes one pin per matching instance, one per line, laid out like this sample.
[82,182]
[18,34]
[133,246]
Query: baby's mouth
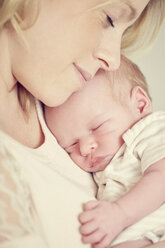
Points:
[100,162]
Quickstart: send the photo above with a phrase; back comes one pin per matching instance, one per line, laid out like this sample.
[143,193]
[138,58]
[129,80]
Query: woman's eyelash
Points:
[110,21]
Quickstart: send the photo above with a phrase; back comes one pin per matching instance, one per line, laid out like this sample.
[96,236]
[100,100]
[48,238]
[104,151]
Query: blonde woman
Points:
[48,50]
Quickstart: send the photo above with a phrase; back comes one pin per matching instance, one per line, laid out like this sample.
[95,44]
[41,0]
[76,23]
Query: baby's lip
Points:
[100,161]
[86,75]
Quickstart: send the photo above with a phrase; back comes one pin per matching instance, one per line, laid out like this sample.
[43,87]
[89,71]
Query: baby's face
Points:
[90,124]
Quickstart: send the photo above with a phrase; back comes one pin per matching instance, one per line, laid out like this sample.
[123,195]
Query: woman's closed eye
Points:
[109,19]
[106,20]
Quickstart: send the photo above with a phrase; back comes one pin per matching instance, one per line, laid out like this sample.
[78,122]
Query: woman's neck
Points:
[14,122]
[12,117]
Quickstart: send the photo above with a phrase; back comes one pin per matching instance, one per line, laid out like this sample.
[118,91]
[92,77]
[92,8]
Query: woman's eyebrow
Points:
[133,12]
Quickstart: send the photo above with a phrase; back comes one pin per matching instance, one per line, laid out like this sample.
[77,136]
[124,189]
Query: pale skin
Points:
[58,41]
[97,131]
[158,245]
[59,59]
[106,220]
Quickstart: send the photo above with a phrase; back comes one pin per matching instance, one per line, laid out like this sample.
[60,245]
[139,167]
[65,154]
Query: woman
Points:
[49,50]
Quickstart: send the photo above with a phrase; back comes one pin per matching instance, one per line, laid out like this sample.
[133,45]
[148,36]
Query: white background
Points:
[152,64]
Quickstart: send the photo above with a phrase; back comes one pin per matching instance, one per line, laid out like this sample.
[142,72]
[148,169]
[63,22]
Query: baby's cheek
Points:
[74,157]
[78,160]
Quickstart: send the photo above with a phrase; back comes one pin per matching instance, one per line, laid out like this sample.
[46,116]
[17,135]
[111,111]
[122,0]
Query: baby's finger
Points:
[88,228]
[103,243]
[90,205]
[85,217]
[93,238]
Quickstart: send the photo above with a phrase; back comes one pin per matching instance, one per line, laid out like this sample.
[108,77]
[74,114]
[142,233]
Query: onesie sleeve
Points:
[17,225]
[151,144]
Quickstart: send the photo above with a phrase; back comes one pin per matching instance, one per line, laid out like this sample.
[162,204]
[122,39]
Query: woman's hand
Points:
[101,222]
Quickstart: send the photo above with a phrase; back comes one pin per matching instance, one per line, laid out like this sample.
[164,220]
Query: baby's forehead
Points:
[97,93]
[99,84]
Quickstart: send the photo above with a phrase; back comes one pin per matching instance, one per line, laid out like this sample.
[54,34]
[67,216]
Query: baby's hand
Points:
[101,222]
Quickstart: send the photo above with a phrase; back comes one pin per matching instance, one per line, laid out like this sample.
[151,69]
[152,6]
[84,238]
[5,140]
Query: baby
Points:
[108,128]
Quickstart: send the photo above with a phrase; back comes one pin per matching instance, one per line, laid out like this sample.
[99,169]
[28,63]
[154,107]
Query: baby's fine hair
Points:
[125,78]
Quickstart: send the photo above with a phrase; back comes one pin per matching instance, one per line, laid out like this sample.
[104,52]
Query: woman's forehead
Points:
[129,8]
[104,3]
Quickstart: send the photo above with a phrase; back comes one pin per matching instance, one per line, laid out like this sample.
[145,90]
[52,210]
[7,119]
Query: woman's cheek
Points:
[86,25]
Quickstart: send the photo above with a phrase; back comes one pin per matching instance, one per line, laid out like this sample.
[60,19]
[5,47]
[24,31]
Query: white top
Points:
[144,144]
[41,194]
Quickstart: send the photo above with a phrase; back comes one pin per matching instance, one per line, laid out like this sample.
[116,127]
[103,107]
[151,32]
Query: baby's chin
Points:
[95,167]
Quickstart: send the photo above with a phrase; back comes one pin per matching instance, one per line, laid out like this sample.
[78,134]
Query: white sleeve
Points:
[17,225]
[151,147]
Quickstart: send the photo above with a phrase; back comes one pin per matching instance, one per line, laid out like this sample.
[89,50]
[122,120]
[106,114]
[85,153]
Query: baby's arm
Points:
[102,221]
[157,245]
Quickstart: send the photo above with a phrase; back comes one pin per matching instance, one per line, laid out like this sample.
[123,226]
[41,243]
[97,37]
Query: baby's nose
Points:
[87,146]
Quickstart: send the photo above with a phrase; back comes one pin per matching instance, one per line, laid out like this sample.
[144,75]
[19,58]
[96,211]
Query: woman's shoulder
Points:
[5,142]
[17,225]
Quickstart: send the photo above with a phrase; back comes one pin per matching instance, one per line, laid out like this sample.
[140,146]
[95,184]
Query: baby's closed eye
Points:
[69,149]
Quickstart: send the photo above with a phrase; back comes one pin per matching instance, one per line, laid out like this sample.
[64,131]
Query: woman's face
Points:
[68,43]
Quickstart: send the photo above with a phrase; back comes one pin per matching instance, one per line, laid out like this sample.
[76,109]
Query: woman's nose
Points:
[87,145]
[108,51]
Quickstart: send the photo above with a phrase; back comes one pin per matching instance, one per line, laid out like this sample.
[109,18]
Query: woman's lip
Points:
[86,75]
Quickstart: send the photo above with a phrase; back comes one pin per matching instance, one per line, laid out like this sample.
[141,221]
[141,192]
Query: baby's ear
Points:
[141,102]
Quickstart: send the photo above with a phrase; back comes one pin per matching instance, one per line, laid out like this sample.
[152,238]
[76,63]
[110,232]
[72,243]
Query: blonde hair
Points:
[126,77]
[138,36]
[12,15]
[144,31]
